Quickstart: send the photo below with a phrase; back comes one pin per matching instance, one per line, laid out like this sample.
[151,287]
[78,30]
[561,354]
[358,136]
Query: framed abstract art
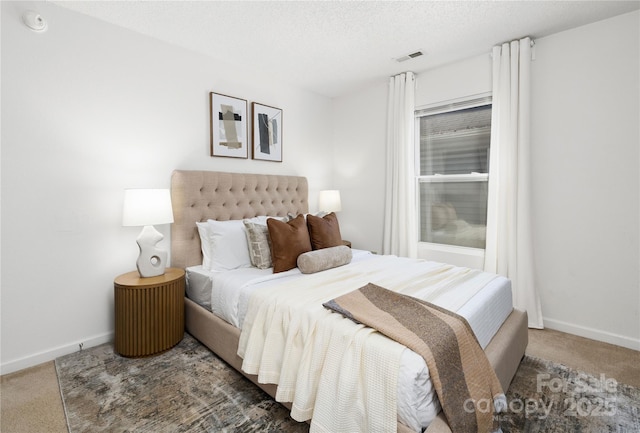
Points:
[267,132]
[228,126]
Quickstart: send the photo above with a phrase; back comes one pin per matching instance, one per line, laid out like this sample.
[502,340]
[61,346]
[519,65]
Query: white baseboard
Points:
[593,334]
[51,354]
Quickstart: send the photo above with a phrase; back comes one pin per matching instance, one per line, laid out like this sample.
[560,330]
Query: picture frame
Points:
[267,132]
[229,126]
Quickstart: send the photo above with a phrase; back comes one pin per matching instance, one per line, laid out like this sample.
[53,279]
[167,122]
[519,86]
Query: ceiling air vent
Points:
[409,56]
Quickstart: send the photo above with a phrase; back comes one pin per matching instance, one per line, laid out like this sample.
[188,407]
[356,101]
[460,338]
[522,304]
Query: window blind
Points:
[456,142]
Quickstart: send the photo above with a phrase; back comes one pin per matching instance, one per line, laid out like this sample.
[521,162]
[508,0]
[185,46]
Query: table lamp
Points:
[146,207]
[329,201]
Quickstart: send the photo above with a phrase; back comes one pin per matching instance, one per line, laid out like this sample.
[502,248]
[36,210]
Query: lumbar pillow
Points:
[326,258]
[288,241]
[259,244]
[324,232]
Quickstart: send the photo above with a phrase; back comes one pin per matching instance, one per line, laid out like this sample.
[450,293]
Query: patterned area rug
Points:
[189,389]
[552,398]
[186,389]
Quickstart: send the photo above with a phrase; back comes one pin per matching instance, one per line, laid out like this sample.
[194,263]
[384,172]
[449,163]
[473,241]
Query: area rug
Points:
[186,389]
[552,398]
[189,389]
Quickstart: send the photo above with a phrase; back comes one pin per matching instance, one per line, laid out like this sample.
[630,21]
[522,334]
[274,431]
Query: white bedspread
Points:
[227,294]
[288,338]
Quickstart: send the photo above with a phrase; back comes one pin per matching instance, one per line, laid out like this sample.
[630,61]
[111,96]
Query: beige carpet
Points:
[31,403]
[593,357]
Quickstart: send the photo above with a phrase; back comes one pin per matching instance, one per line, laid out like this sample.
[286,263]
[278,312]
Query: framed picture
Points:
[228,126]
[267,132]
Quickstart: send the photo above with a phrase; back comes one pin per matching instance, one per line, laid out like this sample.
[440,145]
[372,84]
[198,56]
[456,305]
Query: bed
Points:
[198,196]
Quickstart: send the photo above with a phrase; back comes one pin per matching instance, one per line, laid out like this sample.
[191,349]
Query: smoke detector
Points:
[34,21]
[409,56]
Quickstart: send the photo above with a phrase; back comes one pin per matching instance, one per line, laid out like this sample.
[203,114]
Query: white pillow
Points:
[224,245]
[204,244]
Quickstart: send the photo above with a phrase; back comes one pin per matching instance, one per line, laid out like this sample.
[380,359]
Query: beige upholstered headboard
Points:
[203,195]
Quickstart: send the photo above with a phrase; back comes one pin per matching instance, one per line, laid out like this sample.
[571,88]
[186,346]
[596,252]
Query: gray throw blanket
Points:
[465,382]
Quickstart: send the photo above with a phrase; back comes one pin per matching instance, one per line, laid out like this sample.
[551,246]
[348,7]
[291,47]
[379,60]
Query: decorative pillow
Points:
[224,245]
[259,244]
[288,241]
[324,232]
[291,216]
[321,260]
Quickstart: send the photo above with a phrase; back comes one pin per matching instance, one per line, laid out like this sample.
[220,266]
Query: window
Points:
[453,172]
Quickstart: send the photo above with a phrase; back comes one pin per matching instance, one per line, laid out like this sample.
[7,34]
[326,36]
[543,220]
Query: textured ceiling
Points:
[334,47]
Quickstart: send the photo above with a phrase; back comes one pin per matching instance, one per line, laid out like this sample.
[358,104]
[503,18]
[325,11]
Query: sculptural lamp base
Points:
[152,261]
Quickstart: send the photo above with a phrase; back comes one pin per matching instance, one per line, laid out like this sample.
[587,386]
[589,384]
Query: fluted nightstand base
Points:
[149,312]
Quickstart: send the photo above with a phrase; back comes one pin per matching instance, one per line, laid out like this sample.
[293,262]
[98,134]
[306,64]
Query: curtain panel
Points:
[400,233]
[509,249]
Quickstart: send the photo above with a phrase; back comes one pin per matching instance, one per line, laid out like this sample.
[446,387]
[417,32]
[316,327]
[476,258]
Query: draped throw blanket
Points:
[460,370]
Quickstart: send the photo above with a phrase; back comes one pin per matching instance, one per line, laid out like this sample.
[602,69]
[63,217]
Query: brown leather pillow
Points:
[324,232]
[288,241]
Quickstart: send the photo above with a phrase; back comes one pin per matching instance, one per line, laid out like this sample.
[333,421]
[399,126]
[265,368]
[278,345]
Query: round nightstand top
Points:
[133,279]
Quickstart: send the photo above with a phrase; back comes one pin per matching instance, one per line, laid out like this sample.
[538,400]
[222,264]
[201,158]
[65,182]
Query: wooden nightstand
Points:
[149,312]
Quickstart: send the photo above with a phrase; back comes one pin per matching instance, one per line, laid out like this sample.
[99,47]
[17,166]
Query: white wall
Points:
[359,134]
[585,164]
[89,109]
[585,138]
[458,80]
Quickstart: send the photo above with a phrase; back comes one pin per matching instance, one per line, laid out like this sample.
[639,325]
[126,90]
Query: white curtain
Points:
[509,249]
[400,235]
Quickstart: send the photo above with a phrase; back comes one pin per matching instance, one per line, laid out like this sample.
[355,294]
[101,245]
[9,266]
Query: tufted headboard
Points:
[203,195]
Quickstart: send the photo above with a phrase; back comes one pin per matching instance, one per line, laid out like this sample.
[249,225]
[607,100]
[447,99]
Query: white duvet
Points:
[484,299]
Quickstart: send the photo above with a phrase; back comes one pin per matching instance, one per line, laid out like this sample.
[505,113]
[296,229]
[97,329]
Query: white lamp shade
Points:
[329,201]
[146,207]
